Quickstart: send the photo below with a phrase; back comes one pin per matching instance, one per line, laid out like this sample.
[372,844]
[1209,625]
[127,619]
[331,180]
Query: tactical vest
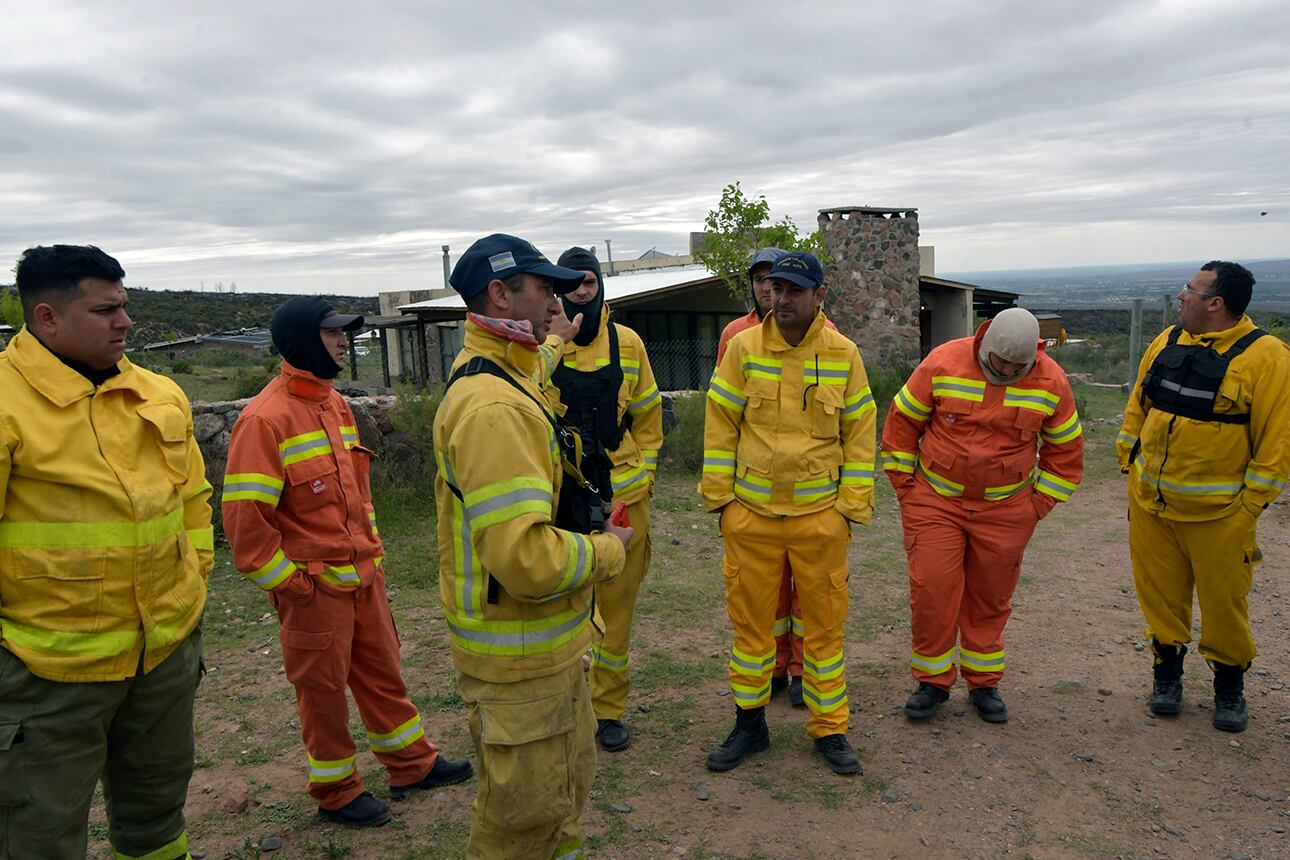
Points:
[1184,380]
[591,404]
[579,507]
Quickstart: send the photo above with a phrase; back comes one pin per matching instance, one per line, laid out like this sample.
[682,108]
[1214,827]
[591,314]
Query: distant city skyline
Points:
[292,147]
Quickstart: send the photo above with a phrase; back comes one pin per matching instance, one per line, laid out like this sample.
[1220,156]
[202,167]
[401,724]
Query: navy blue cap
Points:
[765,255]
[498,257]
[799,268]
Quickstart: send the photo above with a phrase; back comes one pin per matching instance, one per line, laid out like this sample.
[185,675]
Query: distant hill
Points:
[1117,286]
[167,314]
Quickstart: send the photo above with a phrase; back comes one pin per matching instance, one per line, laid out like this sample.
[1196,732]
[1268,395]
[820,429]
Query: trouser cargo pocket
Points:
[528,754]
[15,790]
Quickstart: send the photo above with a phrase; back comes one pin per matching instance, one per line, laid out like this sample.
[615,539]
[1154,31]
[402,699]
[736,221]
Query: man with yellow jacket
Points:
[1206,445]
[788,461]
[105,549]
[515,583]
[607,387]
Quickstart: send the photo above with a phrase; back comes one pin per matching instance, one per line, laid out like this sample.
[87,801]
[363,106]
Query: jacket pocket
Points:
[1028,423]
[315,484]
[763,400]
[363,458]
[528,759]
[14,786]
[170,431]
[826,412]
[70,564]
[308,660]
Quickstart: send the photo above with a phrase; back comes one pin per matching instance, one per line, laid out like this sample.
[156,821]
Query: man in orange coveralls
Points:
[298,514]
[980,444]
[788,615]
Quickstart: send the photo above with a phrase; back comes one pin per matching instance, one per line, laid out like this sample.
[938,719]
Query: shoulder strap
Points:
[613,344]
[1174,332]
[1244,343]
[479,364]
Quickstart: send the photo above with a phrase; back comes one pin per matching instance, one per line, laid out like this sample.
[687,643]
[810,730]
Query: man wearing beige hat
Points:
[980,444]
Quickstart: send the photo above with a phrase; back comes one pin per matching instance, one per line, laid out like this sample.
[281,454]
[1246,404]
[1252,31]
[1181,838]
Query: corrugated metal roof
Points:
[633,285]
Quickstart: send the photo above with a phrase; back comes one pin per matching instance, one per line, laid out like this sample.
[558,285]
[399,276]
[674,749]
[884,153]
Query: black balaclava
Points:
[298,336]
[584,260]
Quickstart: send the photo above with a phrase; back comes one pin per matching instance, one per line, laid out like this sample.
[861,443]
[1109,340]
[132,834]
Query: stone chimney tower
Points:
[872,294]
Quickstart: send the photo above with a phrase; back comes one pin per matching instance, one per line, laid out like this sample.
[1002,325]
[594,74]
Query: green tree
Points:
[10,308]
[738,227]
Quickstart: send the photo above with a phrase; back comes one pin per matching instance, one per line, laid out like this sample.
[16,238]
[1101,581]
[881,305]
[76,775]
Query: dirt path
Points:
[1082,770]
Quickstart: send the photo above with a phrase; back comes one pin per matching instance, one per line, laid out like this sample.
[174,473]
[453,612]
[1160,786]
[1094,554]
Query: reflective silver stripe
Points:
[812,697]
[823,373]
[399,740]
[753,667]
[867,400]
[1188,392]
[528,637]
[301,447]
[822,670]
[257,486]
[284,565]
[752,697]
[606,659]
[496,503]
[821,490]
[1264,480]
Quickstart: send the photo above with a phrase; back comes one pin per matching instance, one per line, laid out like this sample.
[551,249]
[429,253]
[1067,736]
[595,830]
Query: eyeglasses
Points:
[1187,289]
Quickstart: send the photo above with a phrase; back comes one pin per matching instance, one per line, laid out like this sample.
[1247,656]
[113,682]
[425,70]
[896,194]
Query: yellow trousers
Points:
[1214,558]
[535,744]
[815,546]
[616,600]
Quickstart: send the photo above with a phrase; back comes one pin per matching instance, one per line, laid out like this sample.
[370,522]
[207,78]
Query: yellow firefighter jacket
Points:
[105,525]
[636,457]
[498,449]
[790,429]
[1190,470]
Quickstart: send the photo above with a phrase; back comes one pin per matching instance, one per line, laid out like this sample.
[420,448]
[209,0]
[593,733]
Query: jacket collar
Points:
[1220,340]
[57,382]
[774,338]
[304,385]
[495,345]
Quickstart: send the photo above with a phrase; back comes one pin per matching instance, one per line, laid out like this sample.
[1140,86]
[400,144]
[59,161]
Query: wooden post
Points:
[421,366]
[1135,340]
[353,361]
[1168,318]
[385,357]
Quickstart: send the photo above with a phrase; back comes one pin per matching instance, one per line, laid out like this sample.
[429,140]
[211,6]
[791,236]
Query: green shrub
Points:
[409,450]
[181,365]
[250,381]
[683,446]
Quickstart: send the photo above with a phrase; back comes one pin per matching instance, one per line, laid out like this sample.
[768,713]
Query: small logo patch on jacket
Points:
[318,485]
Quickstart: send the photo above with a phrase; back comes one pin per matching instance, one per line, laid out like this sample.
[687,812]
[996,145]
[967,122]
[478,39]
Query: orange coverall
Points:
[788,613]
[975,466]
[299,517]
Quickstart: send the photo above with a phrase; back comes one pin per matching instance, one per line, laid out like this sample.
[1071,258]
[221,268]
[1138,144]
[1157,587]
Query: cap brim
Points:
[794,278]
[564,280]
[345,322]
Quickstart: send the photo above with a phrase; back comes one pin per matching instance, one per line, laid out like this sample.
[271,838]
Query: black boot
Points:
[749,736]
[1230,714]
[612,735]
[924,701]
[362,811]
[1166,694]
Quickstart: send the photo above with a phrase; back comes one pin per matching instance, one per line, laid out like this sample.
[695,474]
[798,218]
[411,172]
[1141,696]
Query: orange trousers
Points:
[964,563]
[815,546]
[788,628]
[344,637]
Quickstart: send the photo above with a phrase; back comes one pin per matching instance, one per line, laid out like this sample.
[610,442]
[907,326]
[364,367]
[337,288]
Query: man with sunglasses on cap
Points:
[299,517]
[1206,445]
[518,560]
[788,461]
[980,444]
[788,615]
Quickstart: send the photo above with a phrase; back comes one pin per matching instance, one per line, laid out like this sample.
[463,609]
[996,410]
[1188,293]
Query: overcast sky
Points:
[334,147]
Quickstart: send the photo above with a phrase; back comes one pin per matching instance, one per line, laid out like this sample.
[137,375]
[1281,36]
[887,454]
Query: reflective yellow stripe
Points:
[651,458]
[110,644]
[202,538]
[506,500]
[1050,484]
[515,638]
[611,661]
[646,400]
[824,670]
[1007,491]
[826,372]
[1031,398]
[907,403]
[175,849]
[762,367]
[1067,431]
[349,435]
[371,518]
[329,771]
[1193,488]
[934,664]
[629,477]
[749,665]
[344,576]
[252,486]
[958,386]
[898,461]
[858,404]
[751,697]
[579,561]
[718,462]
[272,574]
[992,662]
[1253,476]
[402,737]
[303,447]
[939,483]
[856,474]
[69,535]
[753,487]
[814,489]
[823,702]
[726,394]
[165,632]
[205,487]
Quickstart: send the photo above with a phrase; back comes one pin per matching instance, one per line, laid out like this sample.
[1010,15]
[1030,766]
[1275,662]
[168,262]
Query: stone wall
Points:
[872,284]
[399,456]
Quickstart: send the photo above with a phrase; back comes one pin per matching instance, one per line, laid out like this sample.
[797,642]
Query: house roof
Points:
[620,290]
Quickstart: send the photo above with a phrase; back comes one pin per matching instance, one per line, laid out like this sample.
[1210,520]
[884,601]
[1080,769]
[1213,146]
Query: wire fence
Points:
[682,365]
